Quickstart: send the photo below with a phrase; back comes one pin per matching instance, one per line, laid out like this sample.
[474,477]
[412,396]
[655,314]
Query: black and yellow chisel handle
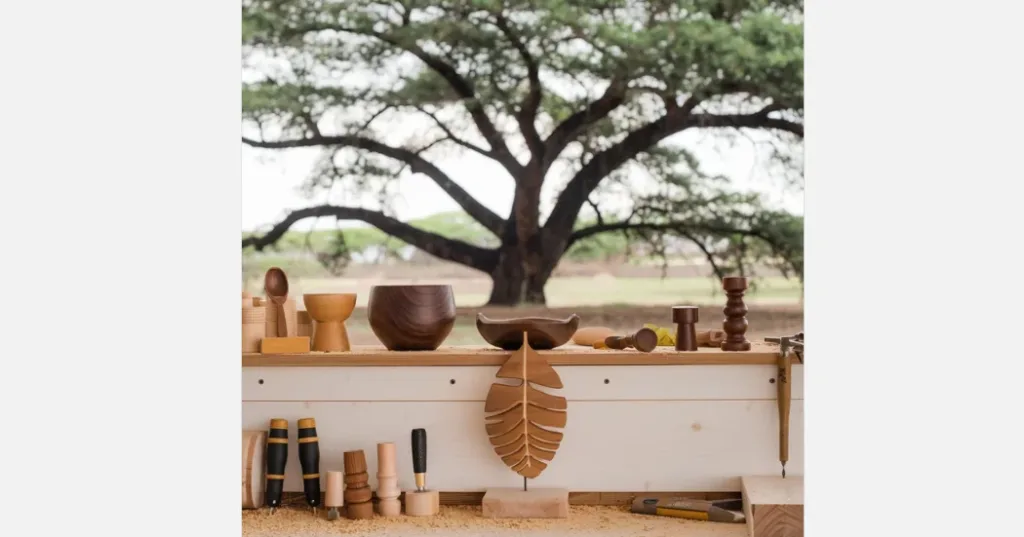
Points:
[309,459]
[277,456]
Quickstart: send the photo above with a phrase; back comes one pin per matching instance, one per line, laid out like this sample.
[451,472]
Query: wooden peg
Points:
[387,481]
[685,318]
[735,324]
[644,340]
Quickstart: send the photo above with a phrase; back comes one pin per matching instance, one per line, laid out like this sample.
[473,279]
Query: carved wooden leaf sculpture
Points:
[520,417]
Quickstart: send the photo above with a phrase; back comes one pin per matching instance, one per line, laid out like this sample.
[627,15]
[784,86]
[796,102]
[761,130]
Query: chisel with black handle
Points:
[309,459]
[277,456]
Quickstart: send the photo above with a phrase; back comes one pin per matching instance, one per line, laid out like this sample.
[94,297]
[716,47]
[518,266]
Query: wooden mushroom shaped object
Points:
[411,317]
[330,311]
[521,418]
[643,340]
[685,318]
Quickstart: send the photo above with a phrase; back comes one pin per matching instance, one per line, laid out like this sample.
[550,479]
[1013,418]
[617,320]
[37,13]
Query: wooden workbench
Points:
[663,421]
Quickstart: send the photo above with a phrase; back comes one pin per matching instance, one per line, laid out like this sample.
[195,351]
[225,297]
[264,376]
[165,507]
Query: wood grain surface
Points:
[478,355]
[575,498]
[411,317]
[521,417]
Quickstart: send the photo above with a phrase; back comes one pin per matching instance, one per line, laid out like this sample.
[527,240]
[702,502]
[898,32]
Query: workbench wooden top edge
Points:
[482,356]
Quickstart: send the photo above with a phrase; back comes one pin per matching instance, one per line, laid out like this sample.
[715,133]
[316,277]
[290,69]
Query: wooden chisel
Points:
[712,511]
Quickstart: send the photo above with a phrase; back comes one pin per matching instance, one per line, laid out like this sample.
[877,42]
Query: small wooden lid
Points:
[307,423]
[278,423]
[355,462]
[684,314]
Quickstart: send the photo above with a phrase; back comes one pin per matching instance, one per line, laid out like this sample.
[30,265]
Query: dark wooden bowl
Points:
[542,333]
[411,317]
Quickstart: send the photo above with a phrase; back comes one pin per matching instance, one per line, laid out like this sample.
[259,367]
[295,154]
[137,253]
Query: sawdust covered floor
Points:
[465,521]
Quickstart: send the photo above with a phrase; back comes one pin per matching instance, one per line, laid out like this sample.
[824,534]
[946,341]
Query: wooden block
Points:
[774,506]
[284,345]
[533,503]
[422,503]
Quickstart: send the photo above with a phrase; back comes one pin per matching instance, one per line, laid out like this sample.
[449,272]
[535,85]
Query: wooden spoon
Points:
[275,284]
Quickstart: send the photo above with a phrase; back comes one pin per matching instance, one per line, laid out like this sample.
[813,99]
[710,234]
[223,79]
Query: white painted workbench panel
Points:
[608,446]
[582,383]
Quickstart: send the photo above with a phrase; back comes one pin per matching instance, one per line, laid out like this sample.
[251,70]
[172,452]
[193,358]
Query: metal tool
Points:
[712,511]
[785,390]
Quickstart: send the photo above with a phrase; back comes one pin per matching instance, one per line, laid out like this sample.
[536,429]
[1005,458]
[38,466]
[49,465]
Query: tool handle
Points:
[277,456]
[309,459]
[419,451]
[618,342]
[785,397]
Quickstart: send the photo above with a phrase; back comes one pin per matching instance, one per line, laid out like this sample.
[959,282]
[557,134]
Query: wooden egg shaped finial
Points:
[520,417]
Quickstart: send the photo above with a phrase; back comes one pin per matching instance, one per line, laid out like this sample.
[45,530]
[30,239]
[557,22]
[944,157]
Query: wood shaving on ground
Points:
[466,521]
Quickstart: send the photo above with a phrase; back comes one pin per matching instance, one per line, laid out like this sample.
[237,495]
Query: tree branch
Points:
[436,245]
[462,87]
[527,115]
[581,234]
[417,164]
[569,203]
[451,135]
[568,130]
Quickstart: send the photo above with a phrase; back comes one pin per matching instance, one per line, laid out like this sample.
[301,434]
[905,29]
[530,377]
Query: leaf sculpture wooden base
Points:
[520,422]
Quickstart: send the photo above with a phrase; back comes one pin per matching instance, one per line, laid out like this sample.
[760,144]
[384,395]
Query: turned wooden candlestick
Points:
[735,324]
[685,318]
[387,481]
[357,490]
[644,340]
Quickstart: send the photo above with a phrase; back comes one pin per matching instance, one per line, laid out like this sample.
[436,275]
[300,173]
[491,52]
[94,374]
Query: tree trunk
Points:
[511,285]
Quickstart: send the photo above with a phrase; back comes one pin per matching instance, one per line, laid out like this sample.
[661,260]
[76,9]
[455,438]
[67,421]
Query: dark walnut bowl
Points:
[542,333]
[411,317]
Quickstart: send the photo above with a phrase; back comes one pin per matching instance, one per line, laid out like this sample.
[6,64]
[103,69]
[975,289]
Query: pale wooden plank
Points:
[575,498]
[372,355]
[661,441]
[449,383]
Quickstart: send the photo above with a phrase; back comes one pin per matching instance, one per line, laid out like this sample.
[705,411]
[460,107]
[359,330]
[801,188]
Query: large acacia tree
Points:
[586,93]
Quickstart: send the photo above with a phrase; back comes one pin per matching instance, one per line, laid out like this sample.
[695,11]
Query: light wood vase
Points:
[253,328]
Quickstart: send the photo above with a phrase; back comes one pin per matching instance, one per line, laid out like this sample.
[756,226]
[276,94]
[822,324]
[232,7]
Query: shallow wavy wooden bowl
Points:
[542,333]
[411,317]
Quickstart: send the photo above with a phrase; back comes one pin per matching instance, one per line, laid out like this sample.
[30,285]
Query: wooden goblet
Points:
[330,311]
